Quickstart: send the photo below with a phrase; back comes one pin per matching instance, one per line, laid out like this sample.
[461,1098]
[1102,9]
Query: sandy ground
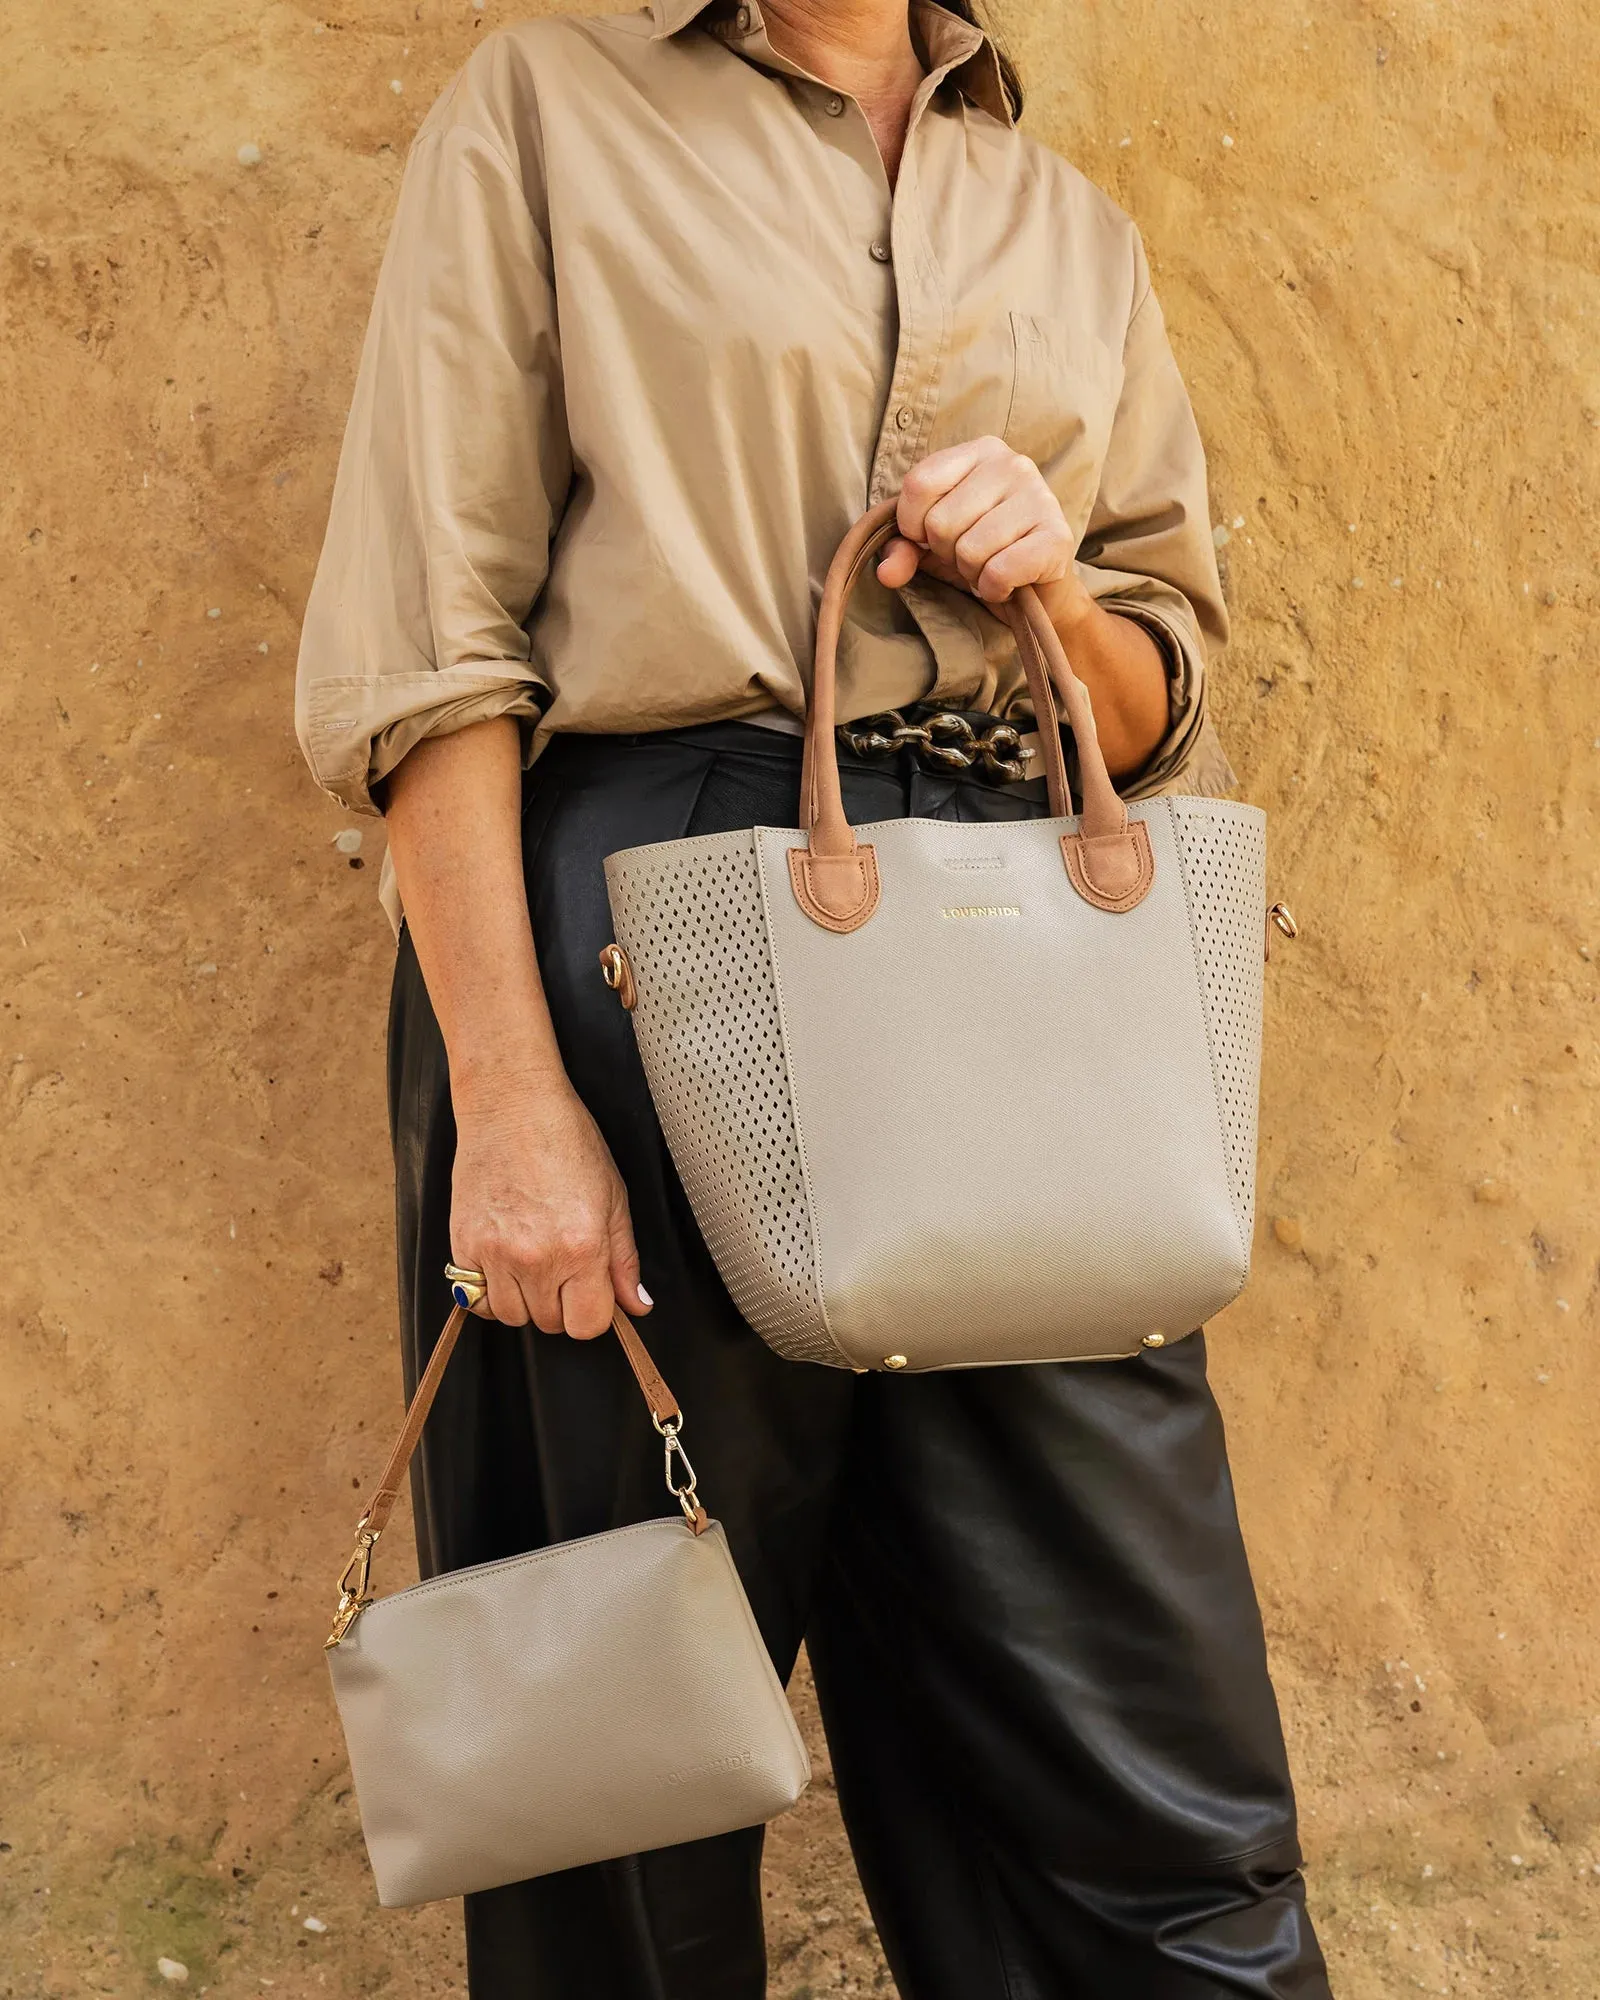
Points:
[1384,293]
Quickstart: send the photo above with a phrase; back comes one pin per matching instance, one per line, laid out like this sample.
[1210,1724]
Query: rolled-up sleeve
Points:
[454,471]
[1148,551]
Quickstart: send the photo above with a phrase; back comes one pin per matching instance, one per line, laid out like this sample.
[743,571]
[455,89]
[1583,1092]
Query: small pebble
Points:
[1397,583]
[1227,138]
[263,647]
[1562,1306]
[1516,1860]
[314,1924]
[396,85]
[1125,141]
[215,611]
[1493,1194]
[205,971]
[1289,1231]
[249,155]
[348,840]
[173,1971]
[1358,583]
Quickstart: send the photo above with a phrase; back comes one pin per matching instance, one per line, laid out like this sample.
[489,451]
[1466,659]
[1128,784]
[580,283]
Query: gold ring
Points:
[467,1287]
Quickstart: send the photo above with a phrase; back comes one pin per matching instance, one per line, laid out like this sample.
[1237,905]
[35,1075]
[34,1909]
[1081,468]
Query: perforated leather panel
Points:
[1222,849]
[689,915]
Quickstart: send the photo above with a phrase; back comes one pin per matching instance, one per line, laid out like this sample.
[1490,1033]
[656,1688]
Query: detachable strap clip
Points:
[682,1489]
[355,1580]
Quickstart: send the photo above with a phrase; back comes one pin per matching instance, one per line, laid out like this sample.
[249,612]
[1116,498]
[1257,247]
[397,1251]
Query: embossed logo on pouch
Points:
[983,910]
[973,864]
[736,1762]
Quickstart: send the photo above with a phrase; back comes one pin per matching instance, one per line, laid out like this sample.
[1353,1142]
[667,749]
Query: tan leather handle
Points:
[354,1579]
[835,876]
[663,1406]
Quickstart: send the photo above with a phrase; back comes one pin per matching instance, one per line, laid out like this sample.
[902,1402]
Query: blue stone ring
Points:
[467,1288]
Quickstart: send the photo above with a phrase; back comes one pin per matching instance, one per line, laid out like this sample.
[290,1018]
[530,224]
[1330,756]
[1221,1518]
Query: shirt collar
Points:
[955,48]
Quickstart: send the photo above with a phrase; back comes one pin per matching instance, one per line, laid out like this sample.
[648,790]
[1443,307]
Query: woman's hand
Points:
[981,516]
[538,1206]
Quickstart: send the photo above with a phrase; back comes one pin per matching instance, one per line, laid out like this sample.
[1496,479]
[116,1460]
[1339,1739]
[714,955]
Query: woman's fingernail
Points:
[644,1297]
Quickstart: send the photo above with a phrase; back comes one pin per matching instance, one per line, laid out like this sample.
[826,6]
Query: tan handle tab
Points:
[835,876]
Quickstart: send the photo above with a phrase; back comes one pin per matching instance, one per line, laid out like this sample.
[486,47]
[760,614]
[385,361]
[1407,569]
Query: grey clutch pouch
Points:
[598,1698]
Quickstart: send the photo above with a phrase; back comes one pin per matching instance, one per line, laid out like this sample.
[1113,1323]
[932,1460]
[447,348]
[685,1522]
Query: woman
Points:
[670,298]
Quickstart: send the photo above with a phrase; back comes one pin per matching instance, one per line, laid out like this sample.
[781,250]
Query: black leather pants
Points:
[1034,1634]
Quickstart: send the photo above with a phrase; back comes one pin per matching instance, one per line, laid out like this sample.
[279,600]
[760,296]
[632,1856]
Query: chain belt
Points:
[943,738]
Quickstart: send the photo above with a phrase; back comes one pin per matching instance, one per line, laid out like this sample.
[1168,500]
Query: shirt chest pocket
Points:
[1065,382]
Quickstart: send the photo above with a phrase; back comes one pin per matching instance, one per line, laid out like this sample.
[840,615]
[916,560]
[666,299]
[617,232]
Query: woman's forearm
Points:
[536,1201]
[454,816]
[1121,665]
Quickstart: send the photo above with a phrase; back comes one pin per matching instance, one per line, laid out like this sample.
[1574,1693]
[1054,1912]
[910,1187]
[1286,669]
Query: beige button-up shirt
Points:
[651,330]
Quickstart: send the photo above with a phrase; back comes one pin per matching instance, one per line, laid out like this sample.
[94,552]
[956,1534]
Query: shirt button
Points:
[882,252]
[903,417]
[834,107]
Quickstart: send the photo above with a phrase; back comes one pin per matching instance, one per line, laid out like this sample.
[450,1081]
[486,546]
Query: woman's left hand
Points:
[981,516]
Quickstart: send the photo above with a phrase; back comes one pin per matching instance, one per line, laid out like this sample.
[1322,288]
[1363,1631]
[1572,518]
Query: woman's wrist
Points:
[489,1088]
[1069,606]
[1122,667]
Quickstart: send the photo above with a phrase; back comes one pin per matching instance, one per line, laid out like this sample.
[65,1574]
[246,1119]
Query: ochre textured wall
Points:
[1375,230]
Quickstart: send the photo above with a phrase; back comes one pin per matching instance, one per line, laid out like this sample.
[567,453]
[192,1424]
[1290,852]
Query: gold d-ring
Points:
[467,1287]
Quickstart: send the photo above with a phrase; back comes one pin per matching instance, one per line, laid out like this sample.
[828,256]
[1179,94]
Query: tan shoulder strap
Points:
[665,1414]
